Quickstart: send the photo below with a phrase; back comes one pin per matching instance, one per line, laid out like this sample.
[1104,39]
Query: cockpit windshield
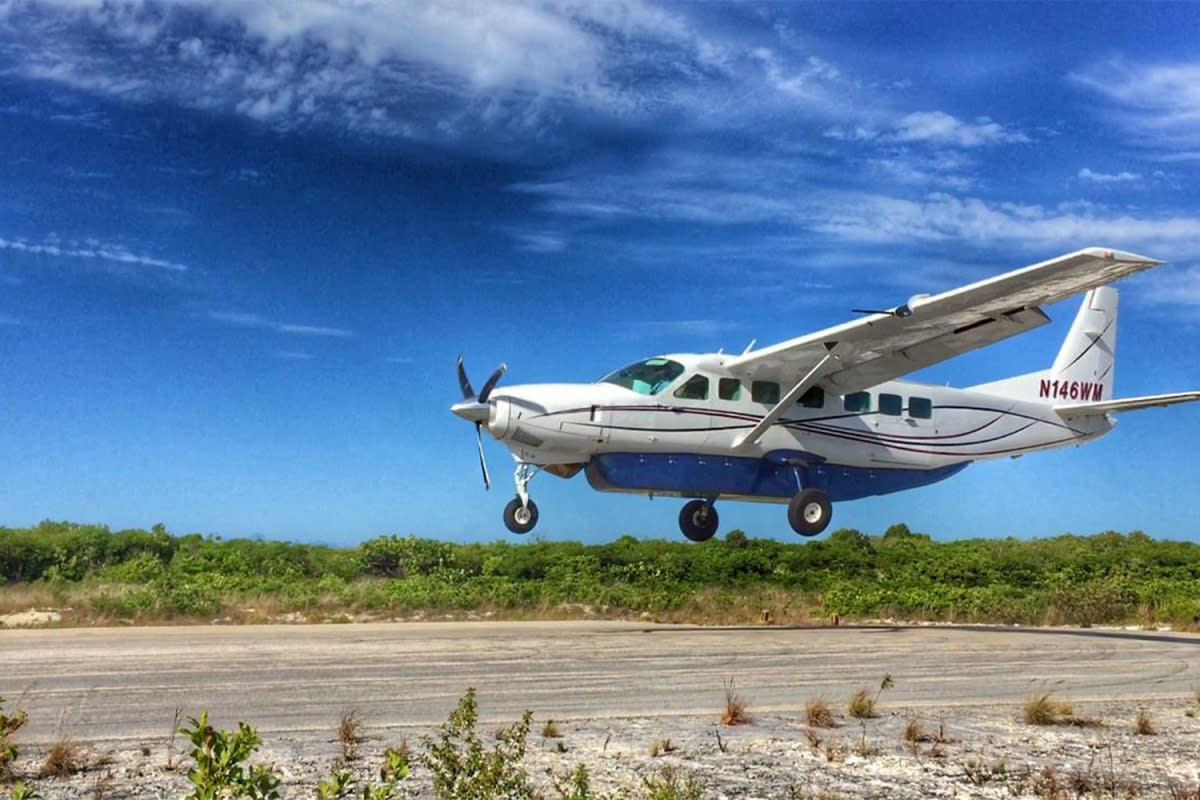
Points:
[646,377]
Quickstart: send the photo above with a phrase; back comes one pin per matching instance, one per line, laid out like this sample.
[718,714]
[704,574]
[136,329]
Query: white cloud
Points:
[679,327]
[1179,287]
[1158,104]
[1089,176]
[258,321]
[541,241]
[938,127]
[292,355]
[90,249]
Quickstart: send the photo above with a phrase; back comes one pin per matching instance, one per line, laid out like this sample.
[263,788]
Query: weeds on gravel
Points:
[221,769]
[735,707]
[463,770]
[342,785]
[65,758]
[171,765]
[9,725]
[818,713]
[576,785]
[980,773]
[672,783]
[862,704]
[350,734]
[1143,725]
[550,730]
[1041,709]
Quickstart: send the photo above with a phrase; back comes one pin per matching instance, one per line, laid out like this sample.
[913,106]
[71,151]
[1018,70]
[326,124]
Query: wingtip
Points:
[1112,254]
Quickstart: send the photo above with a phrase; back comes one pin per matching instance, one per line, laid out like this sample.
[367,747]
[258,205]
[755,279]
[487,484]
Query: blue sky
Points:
[243,241]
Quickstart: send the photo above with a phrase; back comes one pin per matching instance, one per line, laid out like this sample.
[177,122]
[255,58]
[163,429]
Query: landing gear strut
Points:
[521,513]
[698,520]
[809,512]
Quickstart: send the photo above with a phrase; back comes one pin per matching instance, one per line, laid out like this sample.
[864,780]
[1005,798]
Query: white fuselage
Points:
[549,424]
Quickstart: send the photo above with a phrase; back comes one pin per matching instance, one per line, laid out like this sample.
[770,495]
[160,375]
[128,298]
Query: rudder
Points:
[1083,370]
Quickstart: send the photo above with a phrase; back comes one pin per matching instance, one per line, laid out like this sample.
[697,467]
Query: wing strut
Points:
[814,375]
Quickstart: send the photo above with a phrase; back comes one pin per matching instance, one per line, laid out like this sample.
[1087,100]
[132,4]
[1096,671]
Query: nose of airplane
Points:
[472,410]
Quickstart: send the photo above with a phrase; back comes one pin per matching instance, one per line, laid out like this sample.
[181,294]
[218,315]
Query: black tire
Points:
[809,512]
[698,520]
[519,518]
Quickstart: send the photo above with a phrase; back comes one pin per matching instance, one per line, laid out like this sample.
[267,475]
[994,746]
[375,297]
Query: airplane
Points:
[824,418]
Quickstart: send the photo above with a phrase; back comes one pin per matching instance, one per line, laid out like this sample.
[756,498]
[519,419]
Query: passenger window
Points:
[694,388]
[729,389]
[764,392]
[891,404]
[920,407]
[857,403]
[813,398]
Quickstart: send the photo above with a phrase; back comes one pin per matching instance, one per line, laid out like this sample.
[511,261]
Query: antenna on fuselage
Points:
[750,346]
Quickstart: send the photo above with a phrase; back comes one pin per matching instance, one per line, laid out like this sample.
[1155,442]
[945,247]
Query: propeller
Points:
[476,409]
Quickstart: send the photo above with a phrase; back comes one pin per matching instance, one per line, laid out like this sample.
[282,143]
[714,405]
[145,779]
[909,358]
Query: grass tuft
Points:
[1143,725]
[735,707]
[550,730]
[818,713]
[861,705]
[1042,709]
[65,758]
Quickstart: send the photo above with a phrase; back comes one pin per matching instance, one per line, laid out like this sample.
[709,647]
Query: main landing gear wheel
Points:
[520,518]
[698,520]
[809,512]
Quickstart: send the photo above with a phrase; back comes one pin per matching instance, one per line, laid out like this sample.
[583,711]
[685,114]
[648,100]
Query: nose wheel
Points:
[521,513]
[520,517]
[698,520]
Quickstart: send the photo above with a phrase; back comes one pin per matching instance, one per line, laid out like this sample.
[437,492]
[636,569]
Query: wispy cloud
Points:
[6,319]
[1159,104]
[933,127]
[292,355]
[1088,176]
[89,249]
[1176,287]
[258,321]
[539,241]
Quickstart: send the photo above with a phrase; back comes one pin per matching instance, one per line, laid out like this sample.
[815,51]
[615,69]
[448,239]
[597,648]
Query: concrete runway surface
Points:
[125,683]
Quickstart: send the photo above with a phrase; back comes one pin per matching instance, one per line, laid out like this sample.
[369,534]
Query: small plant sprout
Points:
[735,707]
[350,734]
[1143,725]
[24,791]
[550,730]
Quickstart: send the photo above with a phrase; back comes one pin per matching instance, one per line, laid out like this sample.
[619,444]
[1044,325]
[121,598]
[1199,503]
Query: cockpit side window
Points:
[694,388]
[647,377]
[813,398]
[764,392]
[729,389]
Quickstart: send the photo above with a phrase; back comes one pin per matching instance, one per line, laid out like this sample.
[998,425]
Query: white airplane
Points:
[822,418]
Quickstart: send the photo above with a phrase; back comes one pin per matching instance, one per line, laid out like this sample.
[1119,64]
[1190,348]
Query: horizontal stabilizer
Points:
[1128,404]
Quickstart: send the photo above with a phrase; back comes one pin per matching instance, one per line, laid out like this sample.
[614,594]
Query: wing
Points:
[884,346]
[1127,404]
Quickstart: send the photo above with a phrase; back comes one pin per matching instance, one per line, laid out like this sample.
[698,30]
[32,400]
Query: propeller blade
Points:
[486,391]
[463,383]
[487,480]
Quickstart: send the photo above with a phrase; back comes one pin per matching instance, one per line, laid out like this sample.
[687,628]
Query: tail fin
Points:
[1083,371]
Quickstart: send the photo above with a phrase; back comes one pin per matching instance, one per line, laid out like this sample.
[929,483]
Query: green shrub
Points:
[464,770]
[221,771]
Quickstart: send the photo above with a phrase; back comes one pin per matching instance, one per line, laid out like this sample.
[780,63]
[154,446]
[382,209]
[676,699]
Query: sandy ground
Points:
[616,689]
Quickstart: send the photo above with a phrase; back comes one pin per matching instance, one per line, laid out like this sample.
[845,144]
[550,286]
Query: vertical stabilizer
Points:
[1083,371]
